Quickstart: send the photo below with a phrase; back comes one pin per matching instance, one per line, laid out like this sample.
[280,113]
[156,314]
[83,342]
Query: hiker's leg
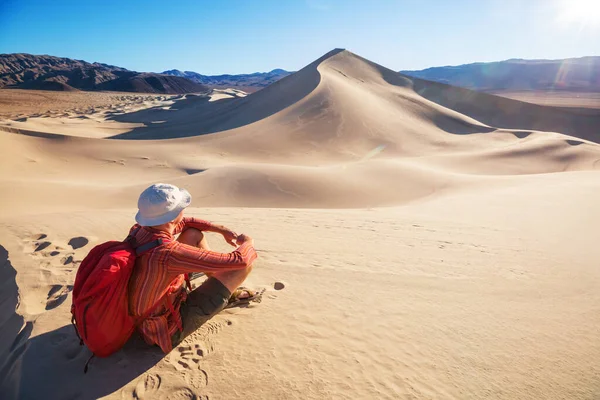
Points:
[212,295]
[233,279]
[209,299]
[196,238]
[230,279]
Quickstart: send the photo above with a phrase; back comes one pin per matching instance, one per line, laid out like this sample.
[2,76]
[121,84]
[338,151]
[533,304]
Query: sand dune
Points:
[283,145]
[416,240]
[558,98]
[509,113]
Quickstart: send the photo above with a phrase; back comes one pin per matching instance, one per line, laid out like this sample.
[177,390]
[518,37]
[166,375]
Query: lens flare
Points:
[373,152]
[581,13]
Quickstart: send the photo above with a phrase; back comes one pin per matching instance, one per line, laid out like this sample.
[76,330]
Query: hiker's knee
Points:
[191,236]
[249,269]
[232,279]
[235,274]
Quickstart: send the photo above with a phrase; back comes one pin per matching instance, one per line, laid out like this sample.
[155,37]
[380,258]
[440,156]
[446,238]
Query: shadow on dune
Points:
[506,113]
[458,126]
[50,365]
[574,142]
[448,123]
[11,323]
[53,362]
[43,135]
[521,134]
[195,115]
[193,171]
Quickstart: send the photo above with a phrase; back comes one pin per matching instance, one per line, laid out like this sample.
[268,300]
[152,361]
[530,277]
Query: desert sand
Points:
[554,98]
[408,250]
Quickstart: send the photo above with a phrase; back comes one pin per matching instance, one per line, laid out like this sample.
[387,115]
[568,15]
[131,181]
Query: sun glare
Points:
[585,13]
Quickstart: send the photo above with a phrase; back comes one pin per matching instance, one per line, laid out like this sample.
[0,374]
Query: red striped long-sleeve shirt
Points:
[163,270]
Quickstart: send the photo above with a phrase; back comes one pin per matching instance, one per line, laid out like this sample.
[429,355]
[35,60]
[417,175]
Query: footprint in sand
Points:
[41,246]
[276,286]
[147,387]
[187,357]
[38,245]
[67,260]
[197,380]
[57,295]
[183,394]
[186,360]
[78,242]
[38,242]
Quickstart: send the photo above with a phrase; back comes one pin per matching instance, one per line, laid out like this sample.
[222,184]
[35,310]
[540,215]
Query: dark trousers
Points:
[203,303]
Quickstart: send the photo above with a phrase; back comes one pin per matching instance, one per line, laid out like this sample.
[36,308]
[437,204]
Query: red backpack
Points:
[100,306]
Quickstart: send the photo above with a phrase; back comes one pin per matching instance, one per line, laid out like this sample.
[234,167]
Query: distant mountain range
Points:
[28,71]
[54,73]
[572,74]
[246,82]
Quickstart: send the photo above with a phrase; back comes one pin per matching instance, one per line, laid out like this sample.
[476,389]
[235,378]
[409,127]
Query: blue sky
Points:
[242,36]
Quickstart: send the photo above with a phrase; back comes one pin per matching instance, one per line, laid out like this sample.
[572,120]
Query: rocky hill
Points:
[44,72]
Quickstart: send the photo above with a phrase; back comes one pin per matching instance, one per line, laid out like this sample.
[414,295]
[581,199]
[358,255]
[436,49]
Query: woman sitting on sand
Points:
[164,269]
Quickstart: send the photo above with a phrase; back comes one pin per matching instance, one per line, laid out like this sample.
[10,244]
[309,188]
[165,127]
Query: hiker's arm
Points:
[205,226]
[191,222]
[184,258]
[229,235]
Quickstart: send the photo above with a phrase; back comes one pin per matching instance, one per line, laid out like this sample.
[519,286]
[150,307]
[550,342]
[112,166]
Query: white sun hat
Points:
[161,203]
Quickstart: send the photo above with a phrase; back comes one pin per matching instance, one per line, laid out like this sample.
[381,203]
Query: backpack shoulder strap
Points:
[148,246]
[131,237]
[139,250]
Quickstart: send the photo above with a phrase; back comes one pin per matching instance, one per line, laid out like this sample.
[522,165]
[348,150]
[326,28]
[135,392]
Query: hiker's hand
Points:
[230,236]
[241,239]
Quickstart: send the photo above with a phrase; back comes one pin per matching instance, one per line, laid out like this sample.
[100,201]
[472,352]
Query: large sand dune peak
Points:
[341,132]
